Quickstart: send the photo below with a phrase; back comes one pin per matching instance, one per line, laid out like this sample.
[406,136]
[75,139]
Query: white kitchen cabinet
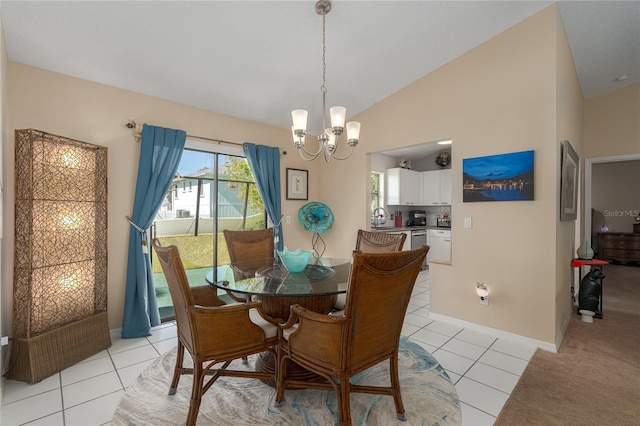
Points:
[431,187]
[439,241]
[436,187]
[403,187]
[445,186]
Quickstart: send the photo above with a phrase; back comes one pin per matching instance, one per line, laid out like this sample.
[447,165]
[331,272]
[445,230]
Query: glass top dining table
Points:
[315,288]
[323,276]
[268,280]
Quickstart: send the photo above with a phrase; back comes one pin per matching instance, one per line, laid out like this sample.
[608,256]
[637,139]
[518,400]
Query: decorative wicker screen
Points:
[60,274]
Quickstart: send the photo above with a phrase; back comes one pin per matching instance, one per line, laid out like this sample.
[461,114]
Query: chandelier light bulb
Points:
[337,114]
[353,132]
[299,117]
[298,141]
[331,139]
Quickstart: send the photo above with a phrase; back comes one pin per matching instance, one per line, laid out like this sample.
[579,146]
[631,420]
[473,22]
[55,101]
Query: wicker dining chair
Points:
[373,242]
[338,347]
[254,246]
[213,334]
[379,242]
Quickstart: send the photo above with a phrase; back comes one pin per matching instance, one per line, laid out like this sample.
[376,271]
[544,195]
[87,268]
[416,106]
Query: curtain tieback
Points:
[143,235]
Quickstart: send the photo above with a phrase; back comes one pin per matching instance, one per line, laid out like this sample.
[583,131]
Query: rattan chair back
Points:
[373,242]
[245,246]
[379,242]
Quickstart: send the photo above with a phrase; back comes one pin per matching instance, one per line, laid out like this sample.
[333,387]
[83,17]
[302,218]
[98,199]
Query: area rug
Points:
[429,397]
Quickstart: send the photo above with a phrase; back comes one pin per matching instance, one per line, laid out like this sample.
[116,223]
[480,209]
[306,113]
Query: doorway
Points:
[588,192]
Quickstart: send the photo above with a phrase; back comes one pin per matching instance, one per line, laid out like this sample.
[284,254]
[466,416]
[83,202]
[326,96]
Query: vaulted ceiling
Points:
[261,59]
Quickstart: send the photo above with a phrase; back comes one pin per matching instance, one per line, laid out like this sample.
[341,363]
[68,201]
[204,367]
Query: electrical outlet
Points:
[484,300]
[4,340]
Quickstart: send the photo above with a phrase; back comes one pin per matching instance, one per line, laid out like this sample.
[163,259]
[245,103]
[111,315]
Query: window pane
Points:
[240,204]
[210,193]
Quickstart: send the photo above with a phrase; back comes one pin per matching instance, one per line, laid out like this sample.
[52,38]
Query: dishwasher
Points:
[418,239]
[440,245]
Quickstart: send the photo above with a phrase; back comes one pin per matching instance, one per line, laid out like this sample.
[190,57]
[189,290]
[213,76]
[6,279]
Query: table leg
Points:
[266,363]
[279,307]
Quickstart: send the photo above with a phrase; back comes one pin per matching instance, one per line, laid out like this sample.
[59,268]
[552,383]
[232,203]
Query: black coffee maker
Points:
[417,218]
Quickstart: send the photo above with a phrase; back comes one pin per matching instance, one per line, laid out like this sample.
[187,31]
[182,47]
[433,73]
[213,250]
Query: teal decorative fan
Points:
[316,217]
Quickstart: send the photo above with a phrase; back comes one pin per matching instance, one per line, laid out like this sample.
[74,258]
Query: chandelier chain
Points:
[324,53]
[323,89]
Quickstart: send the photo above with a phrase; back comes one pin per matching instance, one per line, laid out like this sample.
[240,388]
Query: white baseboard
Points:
[550,347]
[565,325]
[117,332]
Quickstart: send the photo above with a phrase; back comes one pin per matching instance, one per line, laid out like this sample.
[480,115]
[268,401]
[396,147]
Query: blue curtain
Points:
[160,153]
[264,162]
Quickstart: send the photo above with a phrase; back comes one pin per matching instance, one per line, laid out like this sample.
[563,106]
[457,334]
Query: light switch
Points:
[288,220]
[467,223]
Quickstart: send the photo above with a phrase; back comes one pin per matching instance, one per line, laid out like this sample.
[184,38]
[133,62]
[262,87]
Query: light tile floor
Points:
[483,368]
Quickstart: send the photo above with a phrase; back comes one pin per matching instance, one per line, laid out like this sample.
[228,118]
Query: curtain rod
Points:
[137,132]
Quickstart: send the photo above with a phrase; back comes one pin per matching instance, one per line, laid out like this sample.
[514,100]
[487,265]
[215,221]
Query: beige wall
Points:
[4,294]
[500,97]
[569,112]
[612,123]
[97,114]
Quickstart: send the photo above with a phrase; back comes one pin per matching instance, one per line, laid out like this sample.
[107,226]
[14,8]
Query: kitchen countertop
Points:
[405,228]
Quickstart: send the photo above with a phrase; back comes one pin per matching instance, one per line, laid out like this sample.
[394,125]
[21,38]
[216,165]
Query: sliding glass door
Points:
[212,191]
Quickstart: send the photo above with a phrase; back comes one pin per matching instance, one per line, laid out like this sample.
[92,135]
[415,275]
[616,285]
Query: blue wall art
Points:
[503,177]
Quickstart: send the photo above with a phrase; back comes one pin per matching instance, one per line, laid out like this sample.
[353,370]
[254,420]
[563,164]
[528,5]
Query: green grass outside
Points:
[195,252]
[197,257]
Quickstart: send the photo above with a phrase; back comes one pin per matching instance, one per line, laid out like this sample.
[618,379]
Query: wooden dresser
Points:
[619,246]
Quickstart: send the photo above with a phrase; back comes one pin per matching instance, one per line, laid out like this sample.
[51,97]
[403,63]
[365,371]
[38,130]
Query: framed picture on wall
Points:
[297,184]
[501,177]
[569,176]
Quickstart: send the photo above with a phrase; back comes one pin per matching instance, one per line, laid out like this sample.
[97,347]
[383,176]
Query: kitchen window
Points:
[376,191]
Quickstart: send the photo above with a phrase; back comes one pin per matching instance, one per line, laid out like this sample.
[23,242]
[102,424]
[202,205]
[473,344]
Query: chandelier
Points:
[328,139]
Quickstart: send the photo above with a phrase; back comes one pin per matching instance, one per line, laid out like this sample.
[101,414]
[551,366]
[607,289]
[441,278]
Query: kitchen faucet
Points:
[377,221]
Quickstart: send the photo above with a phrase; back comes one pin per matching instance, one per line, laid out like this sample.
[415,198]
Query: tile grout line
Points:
[64,417]
[113,363]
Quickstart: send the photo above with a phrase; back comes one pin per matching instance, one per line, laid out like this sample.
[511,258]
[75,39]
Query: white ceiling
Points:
[260,59]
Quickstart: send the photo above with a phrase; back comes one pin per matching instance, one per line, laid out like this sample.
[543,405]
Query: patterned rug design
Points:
[429,397]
